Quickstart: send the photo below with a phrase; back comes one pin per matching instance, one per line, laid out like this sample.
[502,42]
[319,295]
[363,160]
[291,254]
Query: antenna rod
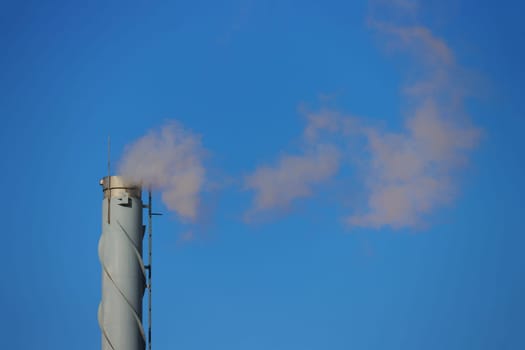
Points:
[109,179]
[150,231]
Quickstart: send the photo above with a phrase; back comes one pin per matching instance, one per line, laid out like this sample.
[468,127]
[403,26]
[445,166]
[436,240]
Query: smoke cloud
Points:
[168,159]
[296,176]
[413,172]
[406,174]
[293,177]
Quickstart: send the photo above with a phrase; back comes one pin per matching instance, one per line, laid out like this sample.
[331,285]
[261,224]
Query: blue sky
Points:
[243,77]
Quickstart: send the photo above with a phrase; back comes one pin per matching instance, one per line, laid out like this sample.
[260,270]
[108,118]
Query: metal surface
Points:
[117,186]
[123,272]
[109,179]
[150,239]
[149,266]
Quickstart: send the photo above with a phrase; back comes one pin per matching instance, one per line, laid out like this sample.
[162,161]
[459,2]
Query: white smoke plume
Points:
[296,176]
[168,159]
[413,172]
[406,174]
[293,177]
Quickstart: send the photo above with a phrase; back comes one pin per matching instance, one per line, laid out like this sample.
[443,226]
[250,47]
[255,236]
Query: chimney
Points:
[123,271]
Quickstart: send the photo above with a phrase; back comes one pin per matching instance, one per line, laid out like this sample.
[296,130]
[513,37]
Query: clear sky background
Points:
[294,272]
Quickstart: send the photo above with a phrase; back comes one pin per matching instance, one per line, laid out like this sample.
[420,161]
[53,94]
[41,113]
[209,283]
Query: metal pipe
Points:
[150,239]
[123,272]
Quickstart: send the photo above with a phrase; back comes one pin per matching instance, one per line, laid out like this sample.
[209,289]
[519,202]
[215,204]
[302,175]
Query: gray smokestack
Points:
[123,273]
